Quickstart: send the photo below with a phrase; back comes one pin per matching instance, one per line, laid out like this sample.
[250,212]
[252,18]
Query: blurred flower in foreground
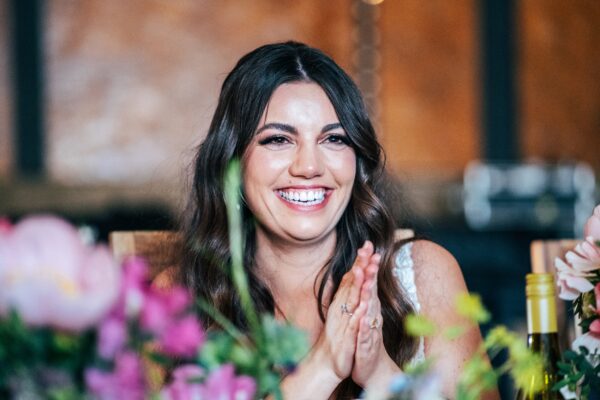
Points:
[579,280]
[574,273]
[592,225]
[50,277]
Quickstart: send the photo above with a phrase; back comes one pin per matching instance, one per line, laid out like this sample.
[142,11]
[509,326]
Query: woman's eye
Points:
[337,139]
[274,140]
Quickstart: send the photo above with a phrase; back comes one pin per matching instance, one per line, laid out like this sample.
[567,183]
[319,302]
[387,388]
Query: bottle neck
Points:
[541,314]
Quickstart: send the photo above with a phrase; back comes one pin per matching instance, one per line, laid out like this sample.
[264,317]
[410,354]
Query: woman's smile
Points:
[304,198]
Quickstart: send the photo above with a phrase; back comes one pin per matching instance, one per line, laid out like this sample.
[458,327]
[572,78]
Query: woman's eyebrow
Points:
[278,126]
[330,127]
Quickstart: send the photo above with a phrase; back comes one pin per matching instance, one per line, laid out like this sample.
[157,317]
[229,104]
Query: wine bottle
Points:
[542,333]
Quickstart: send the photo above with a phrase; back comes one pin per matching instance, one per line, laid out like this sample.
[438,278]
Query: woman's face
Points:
[299,168]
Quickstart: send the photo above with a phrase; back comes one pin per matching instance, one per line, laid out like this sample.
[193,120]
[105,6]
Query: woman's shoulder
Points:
[437,273]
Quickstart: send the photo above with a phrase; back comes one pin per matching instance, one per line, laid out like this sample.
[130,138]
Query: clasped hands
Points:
[351,343]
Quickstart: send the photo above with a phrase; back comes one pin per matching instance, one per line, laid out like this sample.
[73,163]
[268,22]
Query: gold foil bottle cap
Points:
[539,285]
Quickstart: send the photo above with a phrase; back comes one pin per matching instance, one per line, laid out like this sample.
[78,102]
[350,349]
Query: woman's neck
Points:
[292,270]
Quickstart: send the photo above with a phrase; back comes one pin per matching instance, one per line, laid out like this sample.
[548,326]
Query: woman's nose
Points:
[308,162]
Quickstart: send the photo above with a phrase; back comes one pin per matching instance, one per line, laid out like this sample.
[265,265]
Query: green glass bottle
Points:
[542,332]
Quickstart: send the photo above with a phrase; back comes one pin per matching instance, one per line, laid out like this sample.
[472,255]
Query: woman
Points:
[319,241]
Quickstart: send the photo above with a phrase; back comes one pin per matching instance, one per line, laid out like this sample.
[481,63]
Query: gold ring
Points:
[345,309]
[374,323]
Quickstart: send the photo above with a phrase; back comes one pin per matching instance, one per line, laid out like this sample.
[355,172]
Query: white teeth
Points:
[304,197]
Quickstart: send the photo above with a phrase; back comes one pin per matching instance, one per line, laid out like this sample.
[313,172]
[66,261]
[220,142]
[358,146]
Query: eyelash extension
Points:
[277,139]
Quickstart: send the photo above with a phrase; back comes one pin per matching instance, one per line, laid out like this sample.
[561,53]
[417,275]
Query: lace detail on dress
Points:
[404,271]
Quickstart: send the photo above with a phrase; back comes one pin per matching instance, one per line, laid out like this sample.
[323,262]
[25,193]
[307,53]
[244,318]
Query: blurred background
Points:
[489,112]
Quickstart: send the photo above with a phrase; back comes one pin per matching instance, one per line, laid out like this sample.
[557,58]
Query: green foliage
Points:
[417,325]
[580,371]
[469,306]
[478,376]
[28,354]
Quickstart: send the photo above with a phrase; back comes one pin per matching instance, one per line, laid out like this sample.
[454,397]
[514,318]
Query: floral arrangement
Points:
[578,276]
[75,323]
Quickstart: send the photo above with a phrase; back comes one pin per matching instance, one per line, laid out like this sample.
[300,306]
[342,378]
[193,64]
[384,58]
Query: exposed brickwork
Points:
[559,64]
[430,85]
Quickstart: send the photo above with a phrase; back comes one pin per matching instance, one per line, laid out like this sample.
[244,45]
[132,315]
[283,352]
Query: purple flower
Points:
[112,337]
[224,385]
[185,385]
[124,382]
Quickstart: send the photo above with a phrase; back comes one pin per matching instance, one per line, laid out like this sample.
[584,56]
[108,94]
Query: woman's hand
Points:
[332,357]
[372,363]
[337,342]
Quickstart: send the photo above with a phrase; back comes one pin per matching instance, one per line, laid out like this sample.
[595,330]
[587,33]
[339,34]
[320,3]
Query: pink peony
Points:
[125,382]
[50,277]
[185,385]
[592,226]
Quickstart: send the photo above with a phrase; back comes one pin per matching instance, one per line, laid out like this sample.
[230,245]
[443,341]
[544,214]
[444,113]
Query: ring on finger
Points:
[345,309]
[374,323]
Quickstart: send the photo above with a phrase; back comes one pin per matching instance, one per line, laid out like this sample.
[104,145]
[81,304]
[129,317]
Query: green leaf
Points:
[417,325]
[285,344]
[469,305]
[233,184]
[454,332]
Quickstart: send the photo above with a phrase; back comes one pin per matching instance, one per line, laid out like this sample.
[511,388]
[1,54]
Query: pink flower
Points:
[5,226]
[160,306]
[183,337]
[221,384]
[50,277]
[592,226]
[224,385]
[572,275]
[125,382]
[133,290]
[185,385]
[580,263]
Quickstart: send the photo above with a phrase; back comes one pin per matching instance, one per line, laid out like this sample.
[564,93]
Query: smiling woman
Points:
[319,240]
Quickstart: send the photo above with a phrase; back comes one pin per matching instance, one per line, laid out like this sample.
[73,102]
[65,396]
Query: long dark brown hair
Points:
[244,96]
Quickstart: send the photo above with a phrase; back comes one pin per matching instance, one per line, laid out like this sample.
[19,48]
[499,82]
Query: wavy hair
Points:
[244,95]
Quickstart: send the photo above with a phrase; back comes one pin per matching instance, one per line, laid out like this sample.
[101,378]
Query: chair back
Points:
[160,249]
[544,252]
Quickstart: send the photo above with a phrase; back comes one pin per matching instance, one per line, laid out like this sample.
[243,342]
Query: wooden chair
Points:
[543,253]
[161,249]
